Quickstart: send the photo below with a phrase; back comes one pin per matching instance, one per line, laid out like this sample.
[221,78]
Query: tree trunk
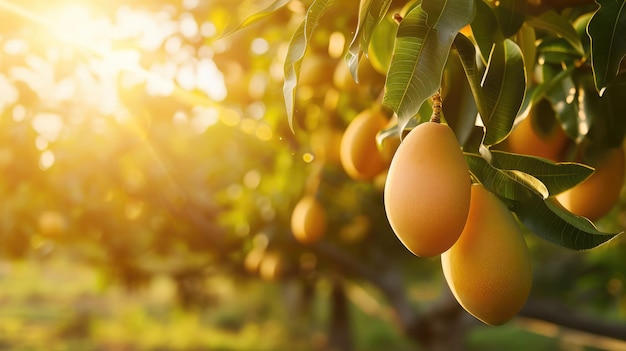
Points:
[339,335]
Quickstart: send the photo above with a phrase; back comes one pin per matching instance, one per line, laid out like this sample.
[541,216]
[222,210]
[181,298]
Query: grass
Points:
[60,306]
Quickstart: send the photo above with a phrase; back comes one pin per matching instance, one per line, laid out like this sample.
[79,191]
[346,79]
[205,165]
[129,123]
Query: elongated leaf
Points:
[557,24]
[296,51]
[557,51]
[459,107]
[255,17]
[504,87]
[381,48]
[550,221]
[589,103]
[526,39]
[510,15]
[510,185]
[557,177]
[609,127]
[421,50]
[371,12]
[607,29]
[559,89]
[485,29]
[467,54]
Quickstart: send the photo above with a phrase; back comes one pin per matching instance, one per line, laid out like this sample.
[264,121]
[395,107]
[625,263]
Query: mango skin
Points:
[308,220]
[359,152]
[527,139]
[489,268]
[427,190]
[596,195]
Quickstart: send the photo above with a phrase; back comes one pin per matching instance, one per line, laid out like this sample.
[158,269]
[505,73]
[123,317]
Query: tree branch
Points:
[445,319]
[557,313]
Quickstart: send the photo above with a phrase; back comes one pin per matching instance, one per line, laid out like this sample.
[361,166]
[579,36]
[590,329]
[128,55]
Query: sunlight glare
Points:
[203,119]
[48,125]
[210,80]
[46,160]
[188,26]
[41,143]
[19,113]
[15,46]
[8,93]
[259,46]
[75,24]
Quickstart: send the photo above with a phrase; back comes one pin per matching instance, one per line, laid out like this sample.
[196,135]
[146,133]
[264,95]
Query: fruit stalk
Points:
[437,104]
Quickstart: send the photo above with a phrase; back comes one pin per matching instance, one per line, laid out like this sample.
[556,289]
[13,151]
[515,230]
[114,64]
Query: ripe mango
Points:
[539,134]
[596,195]
[427,190]
[489,268]
[308,220]
[359,152]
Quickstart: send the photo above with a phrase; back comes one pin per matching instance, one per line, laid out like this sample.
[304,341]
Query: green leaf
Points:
[371,12]
[510,16]
[550,221]
[459,107]
[560,90]
[607,29]
[485,29]
[508,184]
[421,50]
[389,132]
[504,86]
[556,51]
[557,177]
[553,22]
[526,39]
[467,54]
[609,128]
[588,102]
[255,17]
[296,51]
[381,48]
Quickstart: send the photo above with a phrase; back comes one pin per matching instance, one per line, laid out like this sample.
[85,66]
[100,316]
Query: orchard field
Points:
[312,175]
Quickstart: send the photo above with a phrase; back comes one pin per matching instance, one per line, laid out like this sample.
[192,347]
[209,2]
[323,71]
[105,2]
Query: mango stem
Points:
[437,103]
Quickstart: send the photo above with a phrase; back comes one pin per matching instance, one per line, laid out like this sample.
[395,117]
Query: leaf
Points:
[550,221]
[609,128]
[556,51]
[296,51]
[510,16]
[559,89]
[381,48]
[526,39]
[511,185]
[504,86]
[557,177]
[485,29]
[371,12]
[557,24]
[588,102]
[257,16]
[421,50]
[607,29]
[467,54]
[459,107]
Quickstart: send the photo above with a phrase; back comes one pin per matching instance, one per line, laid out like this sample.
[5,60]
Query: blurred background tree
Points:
[142,148]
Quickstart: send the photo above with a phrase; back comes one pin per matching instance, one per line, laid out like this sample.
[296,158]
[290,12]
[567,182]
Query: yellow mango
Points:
[427,190]
[489,268]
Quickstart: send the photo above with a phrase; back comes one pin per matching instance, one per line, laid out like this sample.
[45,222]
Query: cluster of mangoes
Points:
[357,152]
[434,209]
